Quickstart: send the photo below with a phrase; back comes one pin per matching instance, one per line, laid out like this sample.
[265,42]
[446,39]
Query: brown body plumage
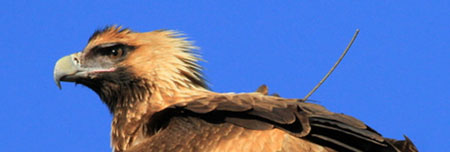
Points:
[152,84]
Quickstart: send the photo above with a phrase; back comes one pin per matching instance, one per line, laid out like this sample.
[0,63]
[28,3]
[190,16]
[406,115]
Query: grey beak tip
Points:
[58,83]
[59,86]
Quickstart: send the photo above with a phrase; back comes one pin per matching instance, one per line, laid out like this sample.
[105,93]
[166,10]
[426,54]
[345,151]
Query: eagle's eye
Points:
[116,52]
[111,51]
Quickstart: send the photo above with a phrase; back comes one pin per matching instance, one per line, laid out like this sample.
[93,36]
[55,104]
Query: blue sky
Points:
[395,78]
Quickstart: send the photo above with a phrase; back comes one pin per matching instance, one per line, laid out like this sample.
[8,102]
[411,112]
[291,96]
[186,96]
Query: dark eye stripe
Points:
[107,49]
[112,50]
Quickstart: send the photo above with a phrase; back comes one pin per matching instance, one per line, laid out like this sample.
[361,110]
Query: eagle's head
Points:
[124,67]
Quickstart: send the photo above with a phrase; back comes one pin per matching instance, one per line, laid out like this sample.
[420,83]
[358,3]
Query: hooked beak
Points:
[68,69]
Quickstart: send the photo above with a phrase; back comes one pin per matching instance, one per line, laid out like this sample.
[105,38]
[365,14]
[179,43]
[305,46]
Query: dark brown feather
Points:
[303,120]
[403,145]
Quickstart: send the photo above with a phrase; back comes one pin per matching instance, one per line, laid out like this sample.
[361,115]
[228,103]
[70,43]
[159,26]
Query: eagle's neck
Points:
[137,93]
[137,104]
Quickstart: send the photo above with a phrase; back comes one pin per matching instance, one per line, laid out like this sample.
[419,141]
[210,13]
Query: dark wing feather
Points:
[403,145]
[304,120]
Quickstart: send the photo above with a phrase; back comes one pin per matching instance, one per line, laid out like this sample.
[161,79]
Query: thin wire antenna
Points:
[334,66]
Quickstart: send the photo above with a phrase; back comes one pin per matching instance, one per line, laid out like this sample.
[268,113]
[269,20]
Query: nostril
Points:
[75,60]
